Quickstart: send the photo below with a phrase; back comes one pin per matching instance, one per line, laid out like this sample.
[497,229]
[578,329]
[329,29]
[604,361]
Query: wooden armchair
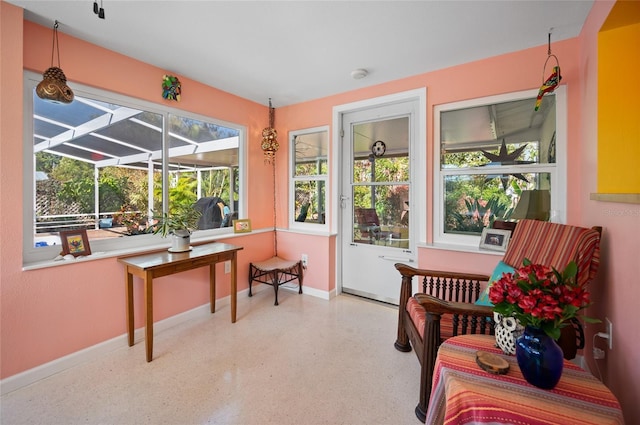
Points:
[445,307]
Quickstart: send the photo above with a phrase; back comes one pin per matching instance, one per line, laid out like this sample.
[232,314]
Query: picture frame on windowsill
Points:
[242,225]
[495,239]
[75,242]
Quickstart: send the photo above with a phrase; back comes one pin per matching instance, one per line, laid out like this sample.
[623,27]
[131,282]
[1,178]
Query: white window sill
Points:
[101,255]
[461,248]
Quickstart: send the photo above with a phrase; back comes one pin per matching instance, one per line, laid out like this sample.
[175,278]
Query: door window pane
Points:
[381,183]
[381,215]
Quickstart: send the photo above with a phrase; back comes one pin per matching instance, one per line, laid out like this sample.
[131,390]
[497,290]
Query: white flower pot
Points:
[180,240]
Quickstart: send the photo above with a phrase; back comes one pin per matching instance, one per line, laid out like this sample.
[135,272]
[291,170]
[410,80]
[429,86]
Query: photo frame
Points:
[75,242]
[242,225]
[495,239]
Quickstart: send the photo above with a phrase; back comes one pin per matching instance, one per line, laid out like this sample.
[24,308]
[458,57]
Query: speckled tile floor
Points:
[306,361]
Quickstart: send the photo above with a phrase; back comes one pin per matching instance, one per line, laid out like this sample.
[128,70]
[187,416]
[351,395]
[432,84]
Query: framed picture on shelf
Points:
[495,239]
[242,225]
[75,242]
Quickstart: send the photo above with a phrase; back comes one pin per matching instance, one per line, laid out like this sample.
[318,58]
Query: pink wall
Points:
[27,321]
[616,291]
[49,313]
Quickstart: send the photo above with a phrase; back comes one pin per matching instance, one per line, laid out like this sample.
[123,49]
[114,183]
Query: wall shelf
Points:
[625,198]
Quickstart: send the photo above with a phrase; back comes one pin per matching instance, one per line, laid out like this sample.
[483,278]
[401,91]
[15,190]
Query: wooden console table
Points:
[158,264]
[462,393]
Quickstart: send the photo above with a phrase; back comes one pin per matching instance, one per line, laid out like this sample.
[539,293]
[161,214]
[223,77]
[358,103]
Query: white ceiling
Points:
[294,51]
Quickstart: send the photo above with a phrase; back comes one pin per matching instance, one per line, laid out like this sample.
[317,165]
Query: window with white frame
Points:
[309,171]
[112,165]
[497,155]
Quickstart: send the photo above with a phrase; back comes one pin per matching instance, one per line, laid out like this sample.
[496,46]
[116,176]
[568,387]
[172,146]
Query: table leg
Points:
[234,286]
[212,287]
[148,327]
[128,278]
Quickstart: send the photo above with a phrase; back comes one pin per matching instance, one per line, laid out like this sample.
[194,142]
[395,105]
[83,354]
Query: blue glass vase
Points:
[540,358]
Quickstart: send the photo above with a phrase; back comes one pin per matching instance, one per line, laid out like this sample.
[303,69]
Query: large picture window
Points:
[496,155]
[113,165]
[309,170]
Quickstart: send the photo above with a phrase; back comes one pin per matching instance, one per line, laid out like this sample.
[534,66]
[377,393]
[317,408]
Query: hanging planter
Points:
[53,86]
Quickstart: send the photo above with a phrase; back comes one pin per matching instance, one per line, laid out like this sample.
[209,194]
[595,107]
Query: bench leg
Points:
[275,281]
[300,277]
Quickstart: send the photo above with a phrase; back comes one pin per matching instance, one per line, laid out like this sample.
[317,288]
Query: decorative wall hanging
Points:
[550,84]
[505,157]
[54,86]
[270,138]
[171,88]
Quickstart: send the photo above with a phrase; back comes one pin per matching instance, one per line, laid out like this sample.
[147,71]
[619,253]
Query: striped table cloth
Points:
[462,393]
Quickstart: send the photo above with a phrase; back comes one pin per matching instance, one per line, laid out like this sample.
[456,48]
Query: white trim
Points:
[313,292]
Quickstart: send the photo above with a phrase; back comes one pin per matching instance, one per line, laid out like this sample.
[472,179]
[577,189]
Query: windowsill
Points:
[101,255]
[624,198]
[461,248]
[306,231]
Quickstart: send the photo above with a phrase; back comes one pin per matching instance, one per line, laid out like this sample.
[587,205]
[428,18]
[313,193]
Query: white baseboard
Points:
[308,291]
[94,352]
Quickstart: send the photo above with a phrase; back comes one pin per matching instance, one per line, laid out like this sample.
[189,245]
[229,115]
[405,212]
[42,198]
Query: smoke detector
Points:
[358,74]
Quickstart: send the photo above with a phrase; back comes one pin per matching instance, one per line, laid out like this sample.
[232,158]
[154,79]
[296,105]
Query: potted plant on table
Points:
[179,225]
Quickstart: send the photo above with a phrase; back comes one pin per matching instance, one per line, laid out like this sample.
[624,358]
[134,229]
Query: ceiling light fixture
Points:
[53,86]
[359,73]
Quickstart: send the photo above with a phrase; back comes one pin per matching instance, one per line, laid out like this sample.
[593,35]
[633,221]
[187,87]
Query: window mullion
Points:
[165,163]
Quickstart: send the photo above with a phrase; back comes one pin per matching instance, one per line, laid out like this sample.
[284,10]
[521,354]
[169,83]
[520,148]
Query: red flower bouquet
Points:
[540,296]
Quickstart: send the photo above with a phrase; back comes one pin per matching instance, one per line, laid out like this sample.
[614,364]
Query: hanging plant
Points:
[171,88]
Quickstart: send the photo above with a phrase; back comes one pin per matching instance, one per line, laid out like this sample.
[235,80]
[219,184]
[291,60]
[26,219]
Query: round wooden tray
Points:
[492,363]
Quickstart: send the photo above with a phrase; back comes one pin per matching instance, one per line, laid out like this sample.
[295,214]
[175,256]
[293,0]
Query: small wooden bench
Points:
[275,272]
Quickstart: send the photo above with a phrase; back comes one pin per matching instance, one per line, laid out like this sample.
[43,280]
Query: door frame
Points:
[418,164]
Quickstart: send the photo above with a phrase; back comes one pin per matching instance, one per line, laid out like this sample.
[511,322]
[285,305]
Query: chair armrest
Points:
[436,305]
[412,271]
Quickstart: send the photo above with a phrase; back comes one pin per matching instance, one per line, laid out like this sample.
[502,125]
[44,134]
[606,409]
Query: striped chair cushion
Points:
[553,244]
[418,317]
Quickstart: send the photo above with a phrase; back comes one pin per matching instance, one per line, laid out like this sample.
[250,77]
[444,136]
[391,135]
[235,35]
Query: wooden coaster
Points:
[492,363]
